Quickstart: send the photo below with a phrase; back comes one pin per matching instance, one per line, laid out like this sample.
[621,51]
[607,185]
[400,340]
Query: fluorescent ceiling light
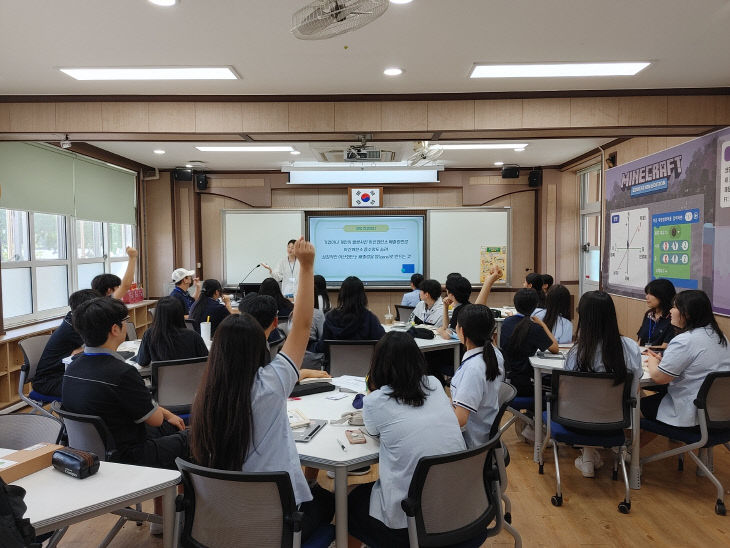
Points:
[245,148]
[393,71]
[295,152]
[163,3]
[557,70]
[158,151]
[484,146]
[363,177]
[152,73]
[401,1]
[498,163]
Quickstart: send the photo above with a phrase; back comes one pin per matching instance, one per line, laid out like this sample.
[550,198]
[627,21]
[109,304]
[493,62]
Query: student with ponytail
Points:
[556,312]
[208,306]
[535,281]
[475,385]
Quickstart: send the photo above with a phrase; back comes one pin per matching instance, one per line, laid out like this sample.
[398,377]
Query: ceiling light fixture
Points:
[151,73]
[498,163]
[556,70]
[188,166]
[393,71]
[401,1]
[484,146]
[245,148]
[163,3]
[295,152]
[158,151]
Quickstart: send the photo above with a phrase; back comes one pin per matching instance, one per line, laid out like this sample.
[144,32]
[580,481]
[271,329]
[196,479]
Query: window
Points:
[39,273]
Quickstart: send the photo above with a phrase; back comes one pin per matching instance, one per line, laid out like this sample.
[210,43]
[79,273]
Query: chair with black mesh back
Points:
[713,415]
[402,312]
[589,410]
[21,430]
[237,509]
[32,349]
[175,383]
[453,498]
[90,433]
[350,357]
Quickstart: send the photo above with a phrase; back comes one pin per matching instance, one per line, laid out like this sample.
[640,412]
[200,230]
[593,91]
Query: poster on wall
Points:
[493,257]
[668,216]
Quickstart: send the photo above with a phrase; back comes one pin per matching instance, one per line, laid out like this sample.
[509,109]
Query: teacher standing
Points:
[287,271]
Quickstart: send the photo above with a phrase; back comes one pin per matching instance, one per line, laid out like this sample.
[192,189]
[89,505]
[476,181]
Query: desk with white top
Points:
[430,345]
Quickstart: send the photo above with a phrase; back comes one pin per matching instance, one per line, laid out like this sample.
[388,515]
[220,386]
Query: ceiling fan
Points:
[424,153]
[323,19]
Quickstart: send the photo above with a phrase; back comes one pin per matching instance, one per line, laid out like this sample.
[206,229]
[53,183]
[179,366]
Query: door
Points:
[590,233]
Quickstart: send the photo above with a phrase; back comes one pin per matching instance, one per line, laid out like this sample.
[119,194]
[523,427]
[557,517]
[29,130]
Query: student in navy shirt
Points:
[239,417]
[656,328]
[207,306]
[184,280]
[111,285]
[536,282]
[271,287]
[63,342]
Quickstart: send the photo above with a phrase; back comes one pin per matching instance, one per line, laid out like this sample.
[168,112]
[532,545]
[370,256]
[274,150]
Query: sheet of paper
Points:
[351,383]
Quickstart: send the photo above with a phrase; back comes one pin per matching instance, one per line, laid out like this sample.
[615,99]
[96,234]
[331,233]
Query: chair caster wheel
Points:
[720,508]
[624,507]
[614,475]
[557,500]
[540,469]
[508,517]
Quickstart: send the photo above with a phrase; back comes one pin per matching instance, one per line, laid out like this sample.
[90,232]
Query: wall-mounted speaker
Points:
[201,181]
[510,172]
[534,179]
[182,174]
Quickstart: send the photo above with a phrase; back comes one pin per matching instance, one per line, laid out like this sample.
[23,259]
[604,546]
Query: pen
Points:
[342,445]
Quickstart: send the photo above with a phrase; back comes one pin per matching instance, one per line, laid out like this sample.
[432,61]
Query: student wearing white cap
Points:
[183,280]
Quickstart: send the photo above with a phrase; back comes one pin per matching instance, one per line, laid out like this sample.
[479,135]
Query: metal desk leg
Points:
[341,507]
[635,468]
[538,413]
[168,517]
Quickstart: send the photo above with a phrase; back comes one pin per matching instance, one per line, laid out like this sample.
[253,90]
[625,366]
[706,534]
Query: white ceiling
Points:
[435,41]
[539,152]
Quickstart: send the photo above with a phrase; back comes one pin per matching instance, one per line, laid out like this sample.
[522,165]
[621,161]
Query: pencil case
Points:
[76,463]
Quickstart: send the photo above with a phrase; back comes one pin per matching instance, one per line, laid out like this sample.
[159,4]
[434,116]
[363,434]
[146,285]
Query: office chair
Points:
[406,312]
[32,349]
[713,414]
[192,325]
[174,383]
[350,357]
[598,410]
[236,509]
[21,430]
[131,331]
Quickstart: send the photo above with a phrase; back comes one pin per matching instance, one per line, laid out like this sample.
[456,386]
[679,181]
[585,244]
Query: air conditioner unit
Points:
[362,154]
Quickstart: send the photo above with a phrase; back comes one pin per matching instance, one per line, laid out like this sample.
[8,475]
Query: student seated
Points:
[321,296]
[412,415]
[351,320]
[413,297]
[100,382]
[556,312]
[168,338]
[699,348]
[239,418]
[475,385]
[271,287]
[458,290]
[656,328]
[430,309]
[64,342]
[535,281]
[111,285]
[547,282]
[184,280]
[600,348]
[521,337]
[208,308]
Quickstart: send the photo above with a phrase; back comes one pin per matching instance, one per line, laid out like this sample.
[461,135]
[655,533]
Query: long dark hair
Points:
[399,363]
[557,304]
[663,290]
[209,288]
[477,323]
[352,302]
[221,428]
[525,302]
[535,281]
[598,328]
[696,309]
[320,290]
[271,287]
[169,317]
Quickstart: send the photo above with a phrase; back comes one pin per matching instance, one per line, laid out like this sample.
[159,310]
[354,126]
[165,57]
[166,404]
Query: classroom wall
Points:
[157,233]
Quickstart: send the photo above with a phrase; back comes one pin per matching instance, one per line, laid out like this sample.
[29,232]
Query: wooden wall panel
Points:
[523,236]
[218,118]
[78,117]
[363,116]
[157,232]
[311,116]
[450,115]
[4,117]
[32,117]
[642,111]
[710,110]
[404,116]
[550,226]
[334,197]
[211,207]
[568,228]
[593,111]
[172,117]
[498,114]
[399,197]
[545,113]
[263,117]
[125,117]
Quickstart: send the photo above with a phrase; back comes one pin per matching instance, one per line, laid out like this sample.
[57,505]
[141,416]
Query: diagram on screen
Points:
[628,256]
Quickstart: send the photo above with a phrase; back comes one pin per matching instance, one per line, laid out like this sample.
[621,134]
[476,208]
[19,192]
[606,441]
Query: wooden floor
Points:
[672,508]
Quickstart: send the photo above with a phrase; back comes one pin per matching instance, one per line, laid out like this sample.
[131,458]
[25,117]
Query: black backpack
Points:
[15,531]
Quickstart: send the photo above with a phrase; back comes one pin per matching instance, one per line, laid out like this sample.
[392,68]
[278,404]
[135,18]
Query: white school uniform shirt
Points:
[272,448]
[288,274]
[689,358]
[406,434]
[632,357]
[412,298]
[563,328]
[471,390]
[432,316]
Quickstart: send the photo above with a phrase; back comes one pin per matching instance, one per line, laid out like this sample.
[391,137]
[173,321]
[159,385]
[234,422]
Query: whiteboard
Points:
[251,237]
[456,236]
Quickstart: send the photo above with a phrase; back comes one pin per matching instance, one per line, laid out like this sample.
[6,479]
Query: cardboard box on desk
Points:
[22,463]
